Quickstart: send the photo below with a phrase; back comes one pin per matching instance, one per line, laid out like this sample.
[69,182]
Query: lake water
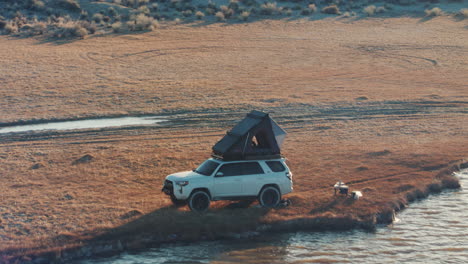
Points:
[85,124]
[433,230]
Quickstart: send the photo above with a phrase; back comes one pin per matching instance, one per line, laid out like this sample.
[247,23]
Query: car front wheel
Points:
[269,197]
[177,202]
[199,201]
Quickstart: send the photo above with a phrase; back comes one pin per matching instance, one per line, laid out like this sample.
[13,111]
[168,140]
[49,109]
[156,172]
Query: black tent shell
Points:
[257,136]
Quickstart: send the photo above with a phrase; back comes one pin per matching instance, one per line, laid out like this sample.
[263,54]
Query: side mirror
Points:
[219,174]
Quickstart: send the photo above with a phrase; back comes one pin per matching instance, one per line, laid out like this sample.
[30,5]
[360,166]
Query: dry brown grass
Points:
[51,201]
[298,72]
[97,197]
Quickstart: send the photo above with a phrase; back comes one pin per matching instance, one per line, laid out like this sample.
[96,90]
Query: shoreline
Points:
[98,247]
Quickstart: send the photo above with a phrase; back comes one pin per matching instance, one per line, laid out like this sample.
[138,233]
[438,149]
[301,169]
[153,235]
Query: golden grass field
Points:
[379,103]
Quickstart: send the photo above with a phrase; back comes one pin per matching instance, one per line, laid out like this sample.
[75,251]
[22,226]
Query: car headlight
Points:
[182,183]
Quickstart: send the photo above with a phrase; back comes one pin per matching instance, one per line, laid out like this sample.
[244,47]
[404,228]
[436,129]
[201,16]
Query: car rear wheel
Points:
[199,201]
[269,197]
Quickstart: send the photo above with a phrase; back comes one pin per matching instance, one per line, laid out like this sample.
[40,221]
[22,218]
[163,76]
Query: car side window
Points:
[232,169]
[239,169]
[249,168]
[276,166]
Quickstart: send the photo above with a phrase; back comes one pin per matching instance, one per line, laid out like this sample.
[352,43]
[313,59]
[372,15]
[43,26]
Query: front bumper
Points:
[175,191]
[168,187]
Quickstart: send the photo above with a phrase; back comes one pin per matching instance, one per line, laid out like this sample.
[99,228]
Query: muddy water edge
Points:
[431,230]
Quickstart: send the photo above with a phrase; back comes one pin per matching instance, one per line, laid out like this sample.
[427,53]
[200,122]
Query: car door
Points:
[230,183]
[278,174]
[252,178]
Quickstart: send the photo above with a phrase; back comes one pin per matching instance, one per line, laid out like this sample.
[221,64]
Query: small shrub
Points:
[211,5]
[144,10]
[154,7]
[98,17]
[305,12]
[199,15]
[268,9]
[463,13]
[118,27]
[70,5]
[312,8]
[434,12]
[244,16]
[90,27]
[69,29]
[220,16]
[10,28]
[38,5]
[142,22]
[380,9]
[234,4]
[38,28]
[187,13]
[27,29]
[2,24]
[84,15]
[210,11]
[369,10]
[331,10]
[80,32]
[347,14]
[228,12]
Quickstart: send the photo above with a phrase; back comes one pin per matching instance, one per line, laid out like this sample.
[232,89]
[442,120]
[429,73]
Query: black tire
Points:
[269,197]
[178,203]
[199,201]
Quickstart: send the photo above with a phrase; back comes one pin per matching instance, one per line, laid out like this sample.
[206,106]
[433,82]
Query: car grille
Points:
[168,187]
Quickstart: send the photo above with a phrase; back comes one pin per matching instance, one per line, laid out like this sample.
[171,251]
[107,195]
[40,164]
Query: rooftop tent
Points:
[256,136]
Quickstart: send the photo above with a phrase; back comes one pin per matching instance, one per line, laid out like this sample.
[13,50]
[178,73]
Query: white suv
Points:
[213,180]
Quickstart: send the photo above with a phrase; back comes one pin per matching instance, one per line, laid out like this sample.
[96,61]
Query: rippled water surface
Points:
[84,124]
[434,230]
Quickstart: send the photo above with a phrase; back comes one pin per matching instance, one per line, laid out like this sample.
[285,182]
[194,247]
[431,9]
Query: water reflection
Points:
[85,124]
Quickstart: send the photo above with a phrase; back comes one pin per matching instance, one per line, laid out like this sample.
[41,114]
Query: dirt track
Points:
[293,117]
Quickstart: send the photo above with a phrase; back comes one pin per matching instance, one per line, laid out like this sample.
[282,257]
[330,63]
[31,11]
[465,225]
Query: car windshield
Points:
[207,167]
